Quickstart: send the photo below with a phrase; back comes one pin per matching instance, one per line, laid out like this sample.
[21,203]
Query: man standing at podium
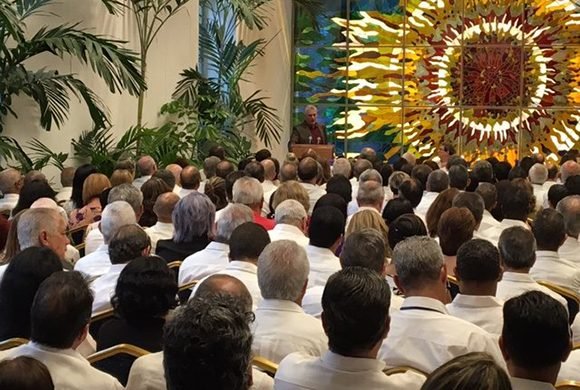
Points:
[309,131]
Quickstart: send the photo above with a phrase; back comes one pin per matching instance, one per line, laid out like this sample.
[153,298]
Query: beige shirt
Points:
[513,284]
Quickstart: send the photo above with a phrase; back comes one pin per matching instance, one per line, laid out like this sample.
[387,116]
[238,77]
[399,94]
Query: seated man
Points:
[488,193]
[146,167]
[163,229]
[308,172]
[477,273]
[248,191]
[291,223]
[356,320]
[535,340]
[423,335]
[60,317]
[11,182]
[569,207]
[281,326]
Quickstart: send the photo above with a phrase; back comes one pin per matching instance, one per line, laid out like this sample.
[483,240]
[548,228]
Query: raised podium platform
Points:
[324,151]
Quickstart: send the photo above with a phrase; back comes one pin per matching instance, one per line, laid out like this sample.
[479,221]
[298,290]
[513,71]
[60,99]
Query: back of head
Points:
[146,166]
[367,219]
[488,193]
[411,190]
[248,241]
[458,177]
[482,172]
[24,373]
[61,310]
[438,181]
[164,206]
[456,226]
[326,227]
[33,222]
[473,202]
[31,192]
[568,169]
[532,339]
[515,203]
[270,171]
[442,203]
[364,248]
[190,178]
[573,185]
[395,208]
[370,194]
[115,215]
[478,261]
[307,169]
[145,290]
[538,174]
[475,370]
[230,181]
[395,181]
[355,314]
[456,160]
[166,176]
[342,167]
[34,175]
[290,212]
[66,176]
[549,230]
[128,243]
[193,217]
[255,170]
[421,172]
[10,181]
[288,172]
[224,168]
[128,193]
[248,191]
[210,166]
[517,248]
[334,201]
[368,154]
[371,175]
[407,225]
[291,190]
[556,193]
[79,178]
[218,151]
[121,176]
[569,207]
[418,261]
[360,166]
[209,343]
[222,284]
[341,186]
[386,171]
[232,217]
[263,154]
[215,189]
[410,157]
[127,164]
[502,170]
[283,271]
[175,170]
[152,188]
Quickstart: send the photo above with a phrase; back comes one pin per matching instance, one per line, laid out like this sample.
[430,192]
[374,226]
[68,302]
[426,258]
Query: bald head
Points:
[288,172]
[164,206]
[568,169]
[34,176]
[225,284]
[224,168]
[308,170]
[10,181]
[175,171]
[368,154]
[411,159]
[360,166]
[190,178]
[269,169]
[146,166]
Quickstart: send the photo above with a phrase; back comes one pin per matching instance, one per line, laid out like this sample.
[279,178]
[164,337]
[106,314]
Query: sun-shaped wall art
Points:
[492,76]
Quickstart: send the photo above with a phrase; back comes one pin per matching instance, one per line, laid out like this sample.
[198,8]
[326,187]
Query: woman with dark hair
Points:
[24,274]
[79,178]
[407,225]
[442,202]
[24,373]
[455,228]
[31,192]
[215,189]
[151,189]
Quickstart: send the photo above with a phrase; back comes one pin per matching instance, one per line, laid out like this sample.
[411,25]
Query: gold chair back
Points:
[11,343]
[265,365]
[568,385]
[120,349]
[402,370]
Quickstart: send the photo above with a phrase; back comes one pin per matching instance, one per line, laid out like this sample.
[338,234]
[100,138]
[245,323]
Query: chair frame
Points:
[568,385]
[402,370]
[565,292]
[265,365]
[11,343]
[103,315]
[188,285]
[126,349]
[175,264]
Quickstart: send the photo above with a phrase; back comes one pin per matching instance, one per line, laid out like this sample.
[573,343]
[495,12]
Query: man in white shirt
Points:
[281,326]
[365,203]
[437,182]
[60,317]
[114,216]
[535,340]
[190,179]
[342,167]
[308,173]
[66,180]
[356,320]
[517,250]
[361,165]
[326,231]
[291,223]
[11,182]
[538,175]
[550,233]
[423,335]
[209,170]
[163,228]
[127,244]
[230,180]
[215,257]
[175,170]
[458,177]
[371,196]
[488,193]
[146,167]
[570,370]
[569,207]
[268,184]
[478,271]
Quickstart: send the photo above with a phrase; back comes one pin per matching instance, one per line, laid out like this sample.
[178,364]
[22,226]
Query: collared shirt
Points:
[159,231]
[213,259]
[176,189]
[283,231]
[570,250]
[104,287]
[266,223]
[314,193]
[426,201]
[219,213]
[94,238]
[488,222]
[513,284]
[528,384]
[551,268]
[68,369]
[141,180]
[95,264]
[539,194]
[424,336]
[63,195]
[332,371]
[183,192]
[570,369]
[483,311]
[147,374]
[323,263]
[268,186]
[8,202]
[282,327]
[493,233]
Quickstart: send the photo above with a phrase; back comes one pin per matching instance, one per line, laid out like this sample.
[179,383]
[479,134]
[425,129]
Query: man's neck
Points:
[163,220]
[517,270]
[517,218]
[547,374]
[434,292]
[371,354]
[547,249]
[482,289]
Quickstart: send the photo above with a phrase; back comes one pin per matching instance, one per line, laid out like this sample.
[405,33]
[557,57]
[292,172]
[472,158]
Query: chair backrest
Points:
[571,297]
[402,370]
[265,365]
[99,319]
[11,343]
[185,291]
[117,360]
[568,385]
[452,286]
[77,236]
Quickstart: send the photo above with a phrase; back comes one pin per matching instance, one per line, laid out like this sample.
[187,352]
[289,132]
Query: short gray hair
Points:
[396,179]
[193,216]
[538,174]
[283,270]
[517,247]
[233,216]
[128,193]
[34,221]
[290,212]
[342,167]
[371,175]
[248,191]
[370,193]
[417,259]
[210,166]
[310,107]
[115,215]
[488,193]
[365,248]
[437,181]
[569,207]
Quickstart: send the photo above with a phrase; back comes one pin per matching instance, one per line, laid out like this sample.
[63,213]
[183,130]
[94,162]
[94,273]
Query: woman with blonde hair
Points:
[121,176]
[91,210]
[368,219]
[290,190]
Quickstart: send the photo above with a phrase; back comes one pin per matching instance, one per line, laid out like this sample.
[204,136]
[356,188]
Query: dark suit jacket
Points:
[301,132]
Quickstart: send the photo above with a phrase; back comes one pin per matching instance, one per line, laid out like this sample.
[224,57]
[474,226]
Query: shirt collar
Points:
[244,266]
[319,253]
[286,228]
[425,303]
[11,196]
[163,225]
[103,248]
[218,246]
[547,255]
[45,348]
[363,208]
[476,301]
[517,277]
[350,364]
[279,305]
[514,222]
[528,384]
[117,268]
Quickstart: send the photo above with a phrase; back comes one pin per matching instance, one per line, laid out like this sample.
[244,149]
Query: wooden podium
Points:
[324,151]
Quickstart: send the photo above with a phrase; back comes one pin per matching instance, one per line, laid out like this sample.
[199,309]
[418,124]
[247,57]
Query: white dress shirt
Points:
[492,234]
[8,202]
[268,186]
[159,231]
[94,238]
[184,191]
[63,195]
[213,259]
[141,180]
[539,193]
[68,369]
[513,284]
[323,263]
[314,193]
[219,213]
[488,222]
[483,311]
[426,201]
[104,287]
[283,231]
[570,250]
[96,264]
[570,369]
[424,336]
[282,327]
[147,374]
[336,372]
[528,384]
[576,330]
[551,268]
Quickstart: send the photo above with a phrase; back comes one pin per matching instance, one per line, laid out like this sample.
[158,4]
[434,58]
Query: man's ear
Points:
[502,348]
[43,238]
[399,285]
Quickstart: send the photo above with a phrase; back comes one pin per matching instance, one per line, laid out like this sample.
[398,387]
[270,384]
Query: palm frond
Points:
[9,22]
[115,7]
[27,8]
[42,155]
[267,122]
[309,9]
